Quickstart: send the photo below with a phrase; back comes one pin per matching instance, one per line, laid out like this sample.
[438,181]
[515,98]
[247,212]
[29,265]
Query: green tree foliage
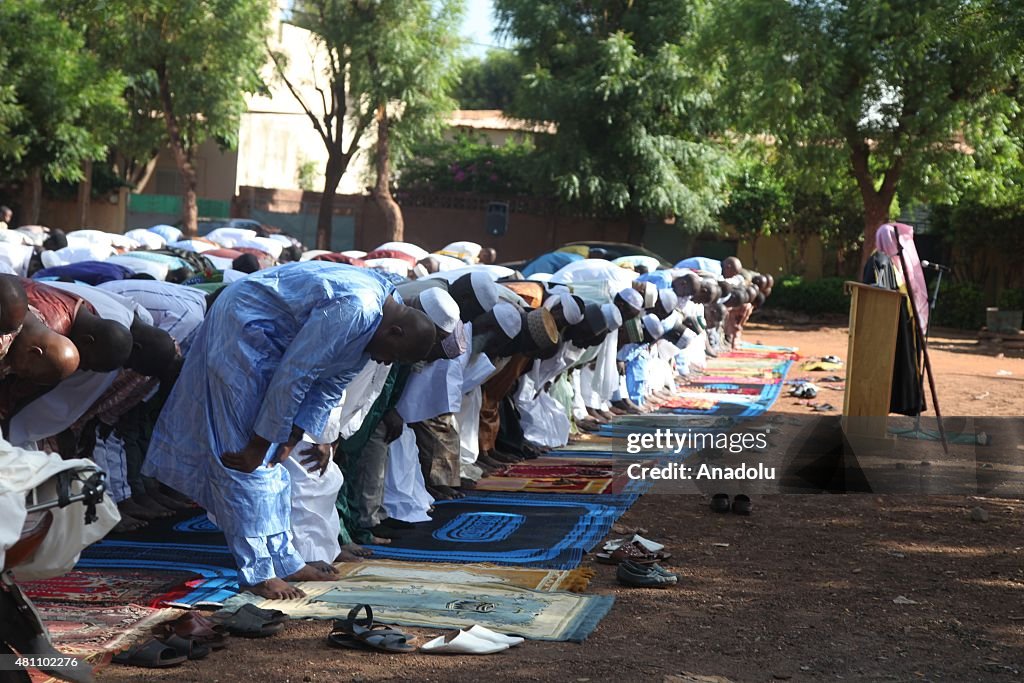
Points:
[56,103]
[389,68]
[633,110]
[189,65]
[895,95]
[489,83]
[758,205]
[469,164]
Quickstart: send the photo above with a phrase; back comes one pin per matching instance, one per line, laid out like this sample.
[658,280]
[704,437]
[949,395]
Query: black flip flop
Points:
[720,502]
[741,505]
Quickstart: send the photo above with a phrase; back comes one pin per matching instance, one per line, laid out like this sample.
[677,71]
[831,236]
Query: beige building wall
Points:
[215,173]
[276,136]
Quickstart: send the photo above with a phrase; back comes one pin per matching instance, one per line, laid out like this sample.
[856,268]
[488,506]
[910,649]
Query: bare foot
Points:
[311,572]
[348,556]
[127,523]
[168,502]
[152,504]
[325,568]
[133,509]
[275,589]
[356,550]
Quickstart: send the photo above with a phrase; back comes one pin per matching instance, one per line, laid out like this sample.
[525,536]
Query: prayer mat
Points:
[547,580]
[820,366]
[533,530]
[562,475]
[187,544]
[110,587]
[448,604]
[687,403]
[98,632]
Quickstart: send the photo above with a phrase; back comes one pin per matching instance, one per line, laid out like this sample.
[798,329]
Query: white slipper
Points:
[500,638]
[462,643]
[650,545]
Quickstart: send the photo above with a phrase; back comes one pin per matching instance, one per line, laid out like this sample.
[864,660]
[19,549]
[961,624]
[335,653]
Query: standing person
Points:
[6,215]
[269,363]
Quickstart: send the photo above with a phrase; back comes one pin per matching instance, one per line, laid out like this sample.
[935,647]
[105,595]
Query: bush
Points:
[469,164]
[1011,300]
[818,296]
[960,305]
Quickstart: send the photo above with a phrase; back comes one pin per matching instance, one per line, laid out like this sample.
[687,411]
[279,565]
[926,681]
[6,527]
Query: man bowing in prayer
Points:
[269,363]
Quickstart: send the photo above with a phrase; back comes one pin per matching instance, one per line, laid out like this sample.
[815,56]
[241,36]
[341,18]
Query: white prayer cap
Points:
[313,253]
[653,326]
[650,294]
[668,299]
[632,297]
[570,307]
[510,320]
[540,277]
[353,253]
[485,290]
[612,317]
[418,271]
[440,307]
[672,320]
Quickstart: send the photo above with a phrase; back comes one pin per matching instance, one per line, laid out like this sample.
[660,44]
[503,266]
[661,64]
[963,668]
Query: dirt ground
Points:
[809,588]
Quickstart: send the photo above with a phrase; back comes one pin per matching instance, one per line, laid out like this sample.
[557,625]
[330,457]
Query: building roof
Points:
[494,119]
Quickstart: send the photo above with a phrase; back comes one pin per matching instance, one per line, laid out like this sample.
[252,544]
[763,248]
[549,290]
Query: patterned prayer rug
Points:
[109,587]
[529,530]
[448,604]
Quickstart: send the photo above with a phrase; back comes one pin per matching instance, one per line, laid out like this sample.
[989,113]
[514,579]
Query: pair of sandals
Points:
[191,636]
[807,390]
[633,552]
[741,504]
[637,575]
[357,632]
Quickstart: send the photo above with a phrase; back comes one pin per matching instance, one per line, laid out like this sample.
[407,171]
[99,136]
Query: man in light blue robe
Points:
[270,362]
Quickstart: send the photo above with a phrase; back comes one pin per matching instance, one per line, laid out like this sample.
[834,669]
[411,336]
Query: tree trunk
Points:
[141,174]
[33,194]
[84,194]
[332,178]
[876,213]
[877,201]
[182,156]
[753,250]
[394,224]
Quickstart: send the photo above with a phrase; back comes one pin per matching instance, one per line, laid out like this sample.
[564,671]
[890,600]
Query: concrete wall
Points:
[215,173]
[105,213]
[436,220]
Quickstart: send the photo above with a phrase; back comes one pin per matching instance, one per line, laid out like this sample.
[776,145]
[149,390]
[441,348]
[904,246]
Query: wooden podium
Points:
[870,357]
